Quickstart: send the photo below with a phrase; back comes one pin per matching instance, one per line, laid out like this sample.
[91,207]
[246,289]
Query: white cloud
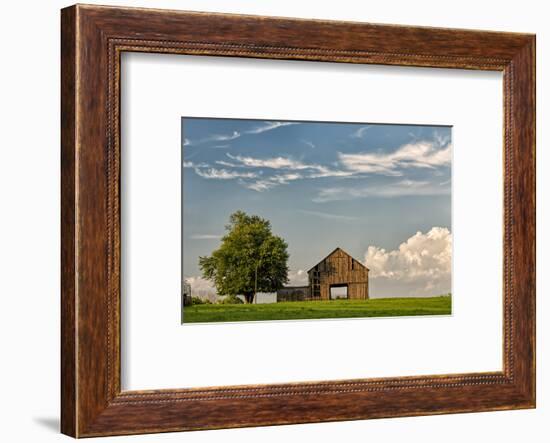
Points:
[421,266]
[189,164]
[305,170]
[268,126]
[200,286]
[421,154]
[325,172]
[286,169]
[268,183]
[297,278]
[213,138]
[223,174]
[220,138]
[360,132]
[329,216]
[402,188]
[206,171]
[224,163]
[274,163]
[205,237]
[259,185]
[308,143]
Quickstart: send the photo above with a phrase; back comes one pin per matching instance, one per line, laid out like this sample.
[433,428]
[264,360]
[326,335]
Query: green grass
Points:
[381,307]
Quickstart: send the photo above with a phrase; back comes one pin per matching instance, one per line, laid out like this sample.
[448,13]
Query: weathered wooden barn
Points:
[337,276]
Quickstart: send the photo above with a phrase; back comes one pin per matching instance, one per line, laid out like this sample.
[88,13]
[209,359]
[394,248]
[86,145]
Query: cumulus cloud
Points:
[421,266]
[200,286]
[297,278]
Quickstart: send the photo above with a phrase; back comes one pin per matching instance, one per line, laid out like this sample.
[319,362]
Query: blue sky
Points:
[323,185]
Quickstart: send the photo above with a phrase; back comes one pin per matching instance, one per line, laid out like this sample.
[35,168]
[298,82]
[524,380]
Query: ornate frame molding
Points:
[93,39]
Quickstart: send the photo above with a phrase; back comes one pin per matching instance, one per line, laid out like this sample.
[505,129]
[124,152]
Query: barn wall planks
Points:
[339,269]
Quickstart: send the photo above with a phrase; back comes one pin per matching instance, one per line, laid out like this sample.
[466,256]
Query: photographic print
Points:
[295,220]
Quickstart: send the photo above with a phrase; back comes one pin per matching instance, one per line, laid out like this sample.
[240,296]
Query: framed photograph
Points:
[272,221]
[310,182]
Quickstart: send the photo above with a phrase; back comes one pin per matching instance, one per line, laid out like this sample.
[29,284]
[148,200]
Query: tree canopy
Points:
[250,259]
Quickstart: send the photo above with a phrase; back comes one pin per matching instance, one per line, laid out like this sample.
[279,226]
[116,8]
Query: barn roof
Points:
[335,250]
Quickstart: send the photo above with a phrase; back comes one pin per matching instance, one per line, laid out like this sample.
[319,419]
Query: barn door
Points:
[338,292]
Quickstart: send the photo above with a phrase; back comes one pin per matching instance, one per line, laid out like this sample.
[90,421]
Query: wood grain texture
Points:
[339,268]
[68,189]
[93,38]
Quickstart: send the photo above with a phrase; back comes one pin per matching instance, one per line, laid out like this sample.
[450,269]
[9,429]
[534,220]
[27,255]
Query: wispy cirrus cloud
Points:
[213,138]
[264,184]
[422,154]
[274,163]
[293,170]
[269,126]
[204,170]
[266,126]
[288,163]
[223,174]
[224,137]
[359,133]
[190,164]
[226,163]
[264,173]
[328,216]
[401,188]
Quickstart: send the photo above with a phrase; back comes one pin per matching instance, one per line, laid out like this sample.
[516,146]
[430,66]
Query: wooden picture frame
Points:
[92,40]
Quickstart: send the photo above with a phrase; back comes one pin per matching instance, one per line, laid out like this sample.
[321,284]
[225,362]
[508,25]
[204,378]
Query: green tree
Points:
[250,259]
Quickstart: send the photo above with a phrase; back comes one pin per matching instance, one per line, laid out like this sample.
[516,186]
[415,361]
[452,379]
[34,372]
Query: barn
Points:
[337,276]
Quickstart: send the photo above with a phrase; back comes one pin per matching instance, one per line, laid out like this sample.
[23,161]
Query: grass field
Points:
[380,307]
